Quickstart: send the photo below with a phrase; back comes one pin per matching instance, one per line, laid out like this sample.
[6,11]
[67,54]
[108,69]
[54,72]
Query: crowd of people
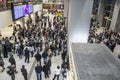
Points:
[107,37]
[45,39]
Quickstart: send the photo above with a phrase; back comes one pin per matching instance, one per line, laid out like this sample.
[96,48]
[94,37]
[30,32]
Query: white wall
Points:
[66,8]
[80,12]
[5,18]
[79,20]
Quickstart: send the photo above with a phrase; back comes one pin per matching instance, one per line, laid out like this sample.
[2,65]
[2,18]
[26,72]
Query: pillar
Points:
[101,11]
[66,8]
[116,14]
[117,26]
[80,12]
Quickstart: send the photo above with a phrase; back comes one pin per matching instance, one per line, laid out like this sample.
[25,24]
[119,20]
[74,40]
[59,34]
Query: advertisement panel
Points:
[53,6]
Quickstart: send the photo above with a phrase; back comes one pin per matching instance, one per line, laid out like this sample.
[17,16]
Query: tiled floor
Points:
[19,63]
[7,32]
[55,62]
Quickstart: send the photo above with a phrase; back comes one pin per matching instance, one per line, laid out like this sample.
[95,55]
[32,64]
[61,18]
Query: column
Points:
[116,14]
[66,8]
[117,26]
[101,11]
[80,12]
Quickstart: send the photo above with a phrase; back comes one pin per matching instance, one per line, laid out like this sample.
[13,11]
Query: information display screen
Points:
[30,8]
[20,10]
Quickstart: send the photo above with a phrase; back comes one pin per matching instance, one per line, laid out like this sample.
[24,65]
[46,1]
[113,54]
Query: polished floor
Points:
[7,32]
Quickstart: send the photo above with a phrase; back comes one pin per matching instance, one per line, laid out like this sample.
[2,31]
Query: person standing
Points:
[32,50]
[2,64]
[5,54]
[64,53]
[27,55]
[12,62]
[38,57]
[57,73]
[20,52]
[1,49]
[38,70]
[45,70]
[3,43]
[49,65]
[64,70]
[9,48]
[12,71]
[113,45]
[16,48]
[44,55]
[24,72]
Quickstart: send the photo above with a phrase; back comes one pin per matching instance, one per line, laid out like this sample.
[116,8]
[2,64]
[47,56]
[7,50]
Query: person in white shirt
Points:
[57,73]
[31,48]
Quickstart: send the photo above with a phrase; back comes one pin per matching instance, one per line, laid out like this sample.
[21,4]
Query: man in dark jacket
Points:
[11,71]
[27,55]
[45,70]
[49,65]
[12,61]
[9,49]
[2,64]
[5,53]
[44,55]
[24,72]
[113,45]
[64,53]
[20,53]
[38,70]
[38,57]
